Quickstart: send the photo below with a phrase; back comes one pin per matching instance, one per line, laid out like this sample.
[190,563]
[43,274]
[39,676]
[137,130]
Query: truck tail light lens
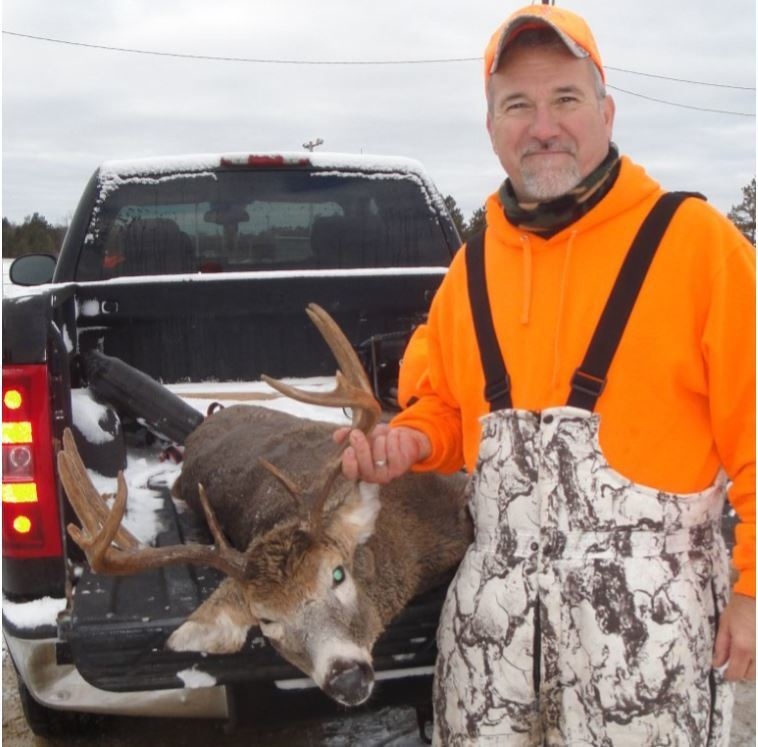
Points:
[31,519]
[18,462]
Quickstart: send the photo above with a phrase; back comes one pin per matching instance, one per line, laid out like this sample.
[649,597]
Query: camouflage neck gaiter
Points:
[548,218]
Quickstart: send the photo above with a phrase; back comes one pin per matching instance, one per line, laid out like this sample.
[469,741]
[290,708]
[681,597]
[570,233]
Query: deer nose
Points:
[350,682]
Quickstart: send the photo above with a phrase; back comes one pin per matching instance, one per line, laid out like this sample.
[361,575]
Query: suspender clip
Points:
[497,389]
[587,384]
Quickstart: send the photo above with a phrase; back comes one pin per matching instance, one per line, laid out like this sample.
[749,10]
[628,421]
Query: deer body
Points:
[392,543]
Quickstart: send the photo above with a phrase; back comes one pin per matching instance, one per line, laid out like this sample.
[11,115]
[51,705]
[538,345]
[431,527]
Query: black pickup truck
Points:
[193,269]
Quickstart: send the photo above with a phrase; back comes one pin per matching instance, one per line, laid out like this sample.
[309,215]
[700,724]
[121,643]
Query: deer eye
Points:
[265,621]
[338,574]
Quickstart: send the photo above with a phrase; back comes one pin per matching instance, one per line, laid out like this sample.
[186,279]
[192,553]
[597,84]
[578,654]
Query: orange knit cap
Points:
[571,28]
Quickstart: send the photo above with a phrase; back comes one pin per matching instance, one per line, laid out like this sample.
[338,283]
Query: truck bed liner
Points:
[117,631]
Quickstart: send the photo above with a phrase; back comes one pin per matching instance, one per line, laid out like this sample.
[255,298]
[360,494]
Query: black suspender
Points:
[497,389]
[589,379]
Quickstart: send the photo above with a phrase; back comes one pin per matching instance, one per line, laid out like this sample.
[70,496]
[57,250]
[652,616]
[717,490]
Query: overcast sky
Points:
[67,108]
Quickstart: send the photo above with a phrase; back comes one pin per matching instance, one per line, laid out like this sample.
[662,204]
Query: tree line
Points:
[35,234]
[466,229]
[743,214]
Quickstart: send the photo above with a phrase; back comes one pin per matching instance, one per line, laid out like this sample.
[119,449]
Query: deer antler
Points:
[353,390]
[112,549]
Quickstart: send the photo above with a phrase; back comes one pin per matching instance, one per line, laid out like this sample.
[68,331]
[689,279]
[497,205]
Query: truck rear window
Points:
[236,221]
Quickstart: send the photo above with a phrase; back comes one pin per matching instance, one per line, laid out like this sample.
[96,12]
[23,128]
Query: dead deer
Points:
[321,564]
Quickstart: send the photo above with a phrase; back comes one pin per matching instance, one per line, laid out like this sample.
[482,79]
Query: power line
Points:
[679,80]
[259,60]
[441,60]
[681,106]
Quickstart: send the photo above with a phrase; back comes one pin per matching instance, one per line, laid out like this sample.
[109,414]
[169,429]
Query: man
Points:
[592,606]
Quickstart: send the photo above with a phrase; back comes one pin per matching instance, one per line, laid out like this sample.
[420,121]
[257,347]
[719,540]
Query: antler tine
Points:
[353,388]
[340,346]
[316,515]
[112,549]
[288,483]
[88,504]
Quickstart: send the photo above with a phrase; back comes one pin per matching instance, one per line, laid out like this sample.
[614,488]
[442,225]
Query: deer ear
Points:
[356,517]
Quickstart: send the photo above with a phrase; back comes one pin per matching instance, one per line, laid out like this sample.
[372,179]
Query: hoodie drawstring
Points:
[526,259]
[561,304]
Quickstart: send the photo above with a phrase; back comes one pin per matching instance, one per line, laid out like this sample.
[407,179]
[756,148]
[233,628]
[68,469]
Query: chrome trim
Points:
[62,688]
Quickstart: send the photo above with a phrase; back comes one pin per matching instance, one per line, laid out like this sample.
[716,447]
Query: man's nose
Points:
[545,124]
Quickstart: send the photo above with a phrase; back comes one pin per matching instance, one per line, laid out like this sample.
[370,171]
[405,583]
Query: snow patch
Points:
[126,168]
[194,678]
[142,472]
[33,614]
[224,392]
[90,307]
[90,417]
[110,181]
[67,340]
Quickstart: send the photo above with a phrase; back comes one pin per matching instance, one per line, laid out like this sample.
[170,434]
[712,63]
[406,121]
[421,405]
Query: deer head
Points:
[298,580]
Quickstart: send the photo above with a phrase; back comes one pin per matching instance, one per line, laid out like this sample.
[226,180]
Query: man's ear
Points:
[609,114]
[491,132]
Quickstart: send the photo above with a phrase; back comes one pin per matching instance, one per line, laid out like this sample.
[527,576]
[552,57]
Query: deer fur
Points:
[391,543]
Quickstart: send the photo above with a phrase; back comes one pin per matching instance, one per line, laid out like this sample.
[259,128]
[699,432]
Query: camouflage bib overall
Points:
[585,611]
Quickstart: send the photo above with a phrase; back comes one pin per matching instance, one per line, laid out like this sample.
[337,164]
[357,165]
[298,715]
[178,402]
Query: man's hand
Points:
[386,454]
[735,639]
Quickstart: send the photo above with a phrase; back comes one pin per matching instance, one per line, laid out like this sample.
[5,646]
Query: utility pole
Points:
[311,145]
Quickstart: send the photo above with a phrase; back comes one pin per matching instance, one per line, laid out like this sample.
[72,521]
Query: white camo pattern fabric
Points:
[616,585]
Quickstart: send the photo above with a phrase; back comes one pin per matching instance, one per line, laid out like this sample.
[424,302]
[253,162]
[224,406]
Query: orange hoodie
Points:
[680,397]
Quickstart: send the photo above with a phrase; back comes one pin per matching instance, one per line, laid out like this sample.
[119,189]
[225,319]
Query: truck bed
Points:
[118,627]
[247,324]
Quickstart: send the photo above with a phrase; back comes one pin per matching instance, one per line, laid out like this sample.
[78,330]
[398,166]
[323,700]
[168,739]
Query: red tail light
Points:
[31,523]
[266,161]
